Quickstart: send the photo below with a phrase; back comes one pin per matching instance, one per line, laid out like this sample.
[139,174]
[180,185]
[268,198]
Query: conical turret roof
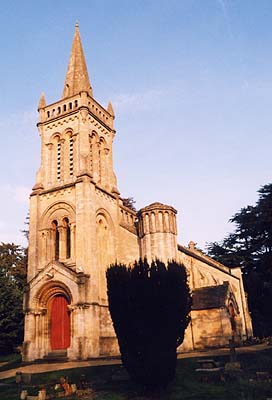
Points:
[77,78]
[110,109]
[42,102]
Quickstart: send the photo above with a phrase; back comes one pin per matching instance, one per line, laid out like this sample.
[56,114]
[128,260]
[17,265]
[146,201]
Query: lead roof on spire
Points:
[77,78]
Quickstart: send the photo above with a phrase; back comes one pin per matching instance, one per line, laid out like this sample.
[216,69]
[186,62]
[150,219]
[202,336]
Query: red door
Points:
[60,324]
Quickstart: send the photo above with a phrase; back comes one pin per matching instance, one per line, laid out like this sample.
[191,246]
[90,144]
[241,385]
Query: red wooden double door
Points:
[60,323]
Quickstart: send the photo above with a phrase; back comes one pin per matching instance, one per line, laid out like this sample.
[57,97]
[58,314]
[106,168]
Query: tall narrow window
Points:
[99,161]
[55,239]
[68,237]
[58,160]
[91,153]
[71,156]
[68,242]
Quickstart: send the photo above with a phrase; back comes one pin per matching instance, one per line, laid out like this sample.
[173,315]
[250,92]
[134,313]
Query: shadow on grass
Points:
[108,383]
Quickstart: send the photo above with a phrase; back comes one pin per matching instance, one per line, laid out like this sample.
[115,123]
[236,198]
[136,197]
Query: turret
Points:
[158,232]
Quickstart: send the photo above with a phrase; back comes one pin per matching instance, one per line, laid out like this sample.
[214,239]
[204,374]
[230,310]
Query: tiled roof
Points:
[210,297]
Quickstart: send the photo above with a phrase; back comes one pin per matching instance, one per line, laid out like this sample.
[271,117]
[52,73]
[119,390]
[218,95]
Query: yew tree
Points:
[149,306]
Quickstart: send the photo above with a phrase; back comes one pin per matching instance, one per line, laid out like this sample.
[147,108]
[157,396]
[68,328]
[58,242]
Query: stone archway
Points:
[55,326]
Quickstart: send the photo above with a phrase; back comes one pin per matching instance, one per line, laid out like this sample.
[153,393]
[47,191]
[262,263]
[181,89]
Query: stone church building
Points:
[79,224]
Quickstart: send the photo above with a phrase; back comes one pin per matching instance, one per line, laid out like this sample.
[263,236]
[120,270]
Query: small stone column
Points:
[62,242]
[73,241]
[51,244]
[43,252]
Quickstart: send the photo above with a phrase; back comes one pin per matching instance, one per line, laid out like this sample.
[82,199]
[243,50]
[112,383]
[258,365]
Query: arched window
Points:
[58,160]
[67,237]
[105,251]
[55,239]
[93,153]
[102,165]
[71,156]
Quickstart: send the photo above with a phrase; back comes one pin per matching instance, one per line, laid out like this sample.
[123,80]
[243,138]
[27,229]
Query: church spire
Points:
[77,78]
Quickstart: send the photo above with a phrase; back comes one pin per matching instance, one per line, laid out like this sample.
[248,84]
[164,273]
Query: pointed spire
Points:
[42,102]
[77,78]
[110,109]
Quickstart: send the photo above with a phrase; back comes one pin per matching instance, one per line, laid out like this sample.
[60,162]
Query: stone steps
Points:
[56,356]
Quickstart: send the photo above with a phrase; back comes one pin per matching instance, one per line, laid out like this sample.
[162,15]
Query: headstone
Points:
[232,350]
[23,394]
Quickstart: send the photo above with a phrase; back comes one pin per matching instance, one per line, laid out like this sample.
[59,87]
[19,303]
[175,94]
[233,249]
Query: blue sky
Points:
[191,85]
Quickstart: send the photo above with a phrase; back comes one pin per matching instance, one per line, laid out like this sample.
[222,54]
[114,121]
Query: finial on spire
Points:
[110,109]
[77,24]
[77,78]
[42,102]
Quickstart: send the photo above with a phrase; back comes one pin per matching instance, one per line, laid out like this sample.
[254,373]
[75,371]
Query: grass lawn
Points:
[107,383]
[10,361]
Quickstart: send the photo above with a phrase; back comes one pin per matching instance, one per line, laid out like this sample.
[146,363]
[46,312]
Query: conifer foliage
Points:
[250,247]
[149,306]
[13,261]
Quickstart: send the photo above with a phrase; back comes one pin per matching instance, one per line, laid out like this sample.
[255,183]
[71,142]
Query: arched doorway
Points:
[60,323]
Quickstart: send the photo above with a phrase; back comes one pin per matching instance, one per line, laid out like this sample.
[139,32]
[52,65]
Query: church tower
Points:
[75,217]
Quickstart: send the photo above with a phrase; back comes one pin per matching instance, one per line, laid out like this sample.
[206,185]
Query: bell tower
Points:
[76,146]
[76,131]
[74,219]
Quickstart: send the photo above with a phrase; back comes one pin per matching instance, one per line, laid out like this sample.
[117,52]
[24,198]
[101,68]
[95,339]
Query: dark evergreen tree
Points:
[129,202]
[13,261]
[25,231]
[150,308]
[250,246]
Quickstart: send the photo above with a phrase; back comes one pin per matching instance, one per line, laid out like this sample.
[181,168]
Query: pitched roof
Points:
[77,78]
[210,297]
[197,254]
